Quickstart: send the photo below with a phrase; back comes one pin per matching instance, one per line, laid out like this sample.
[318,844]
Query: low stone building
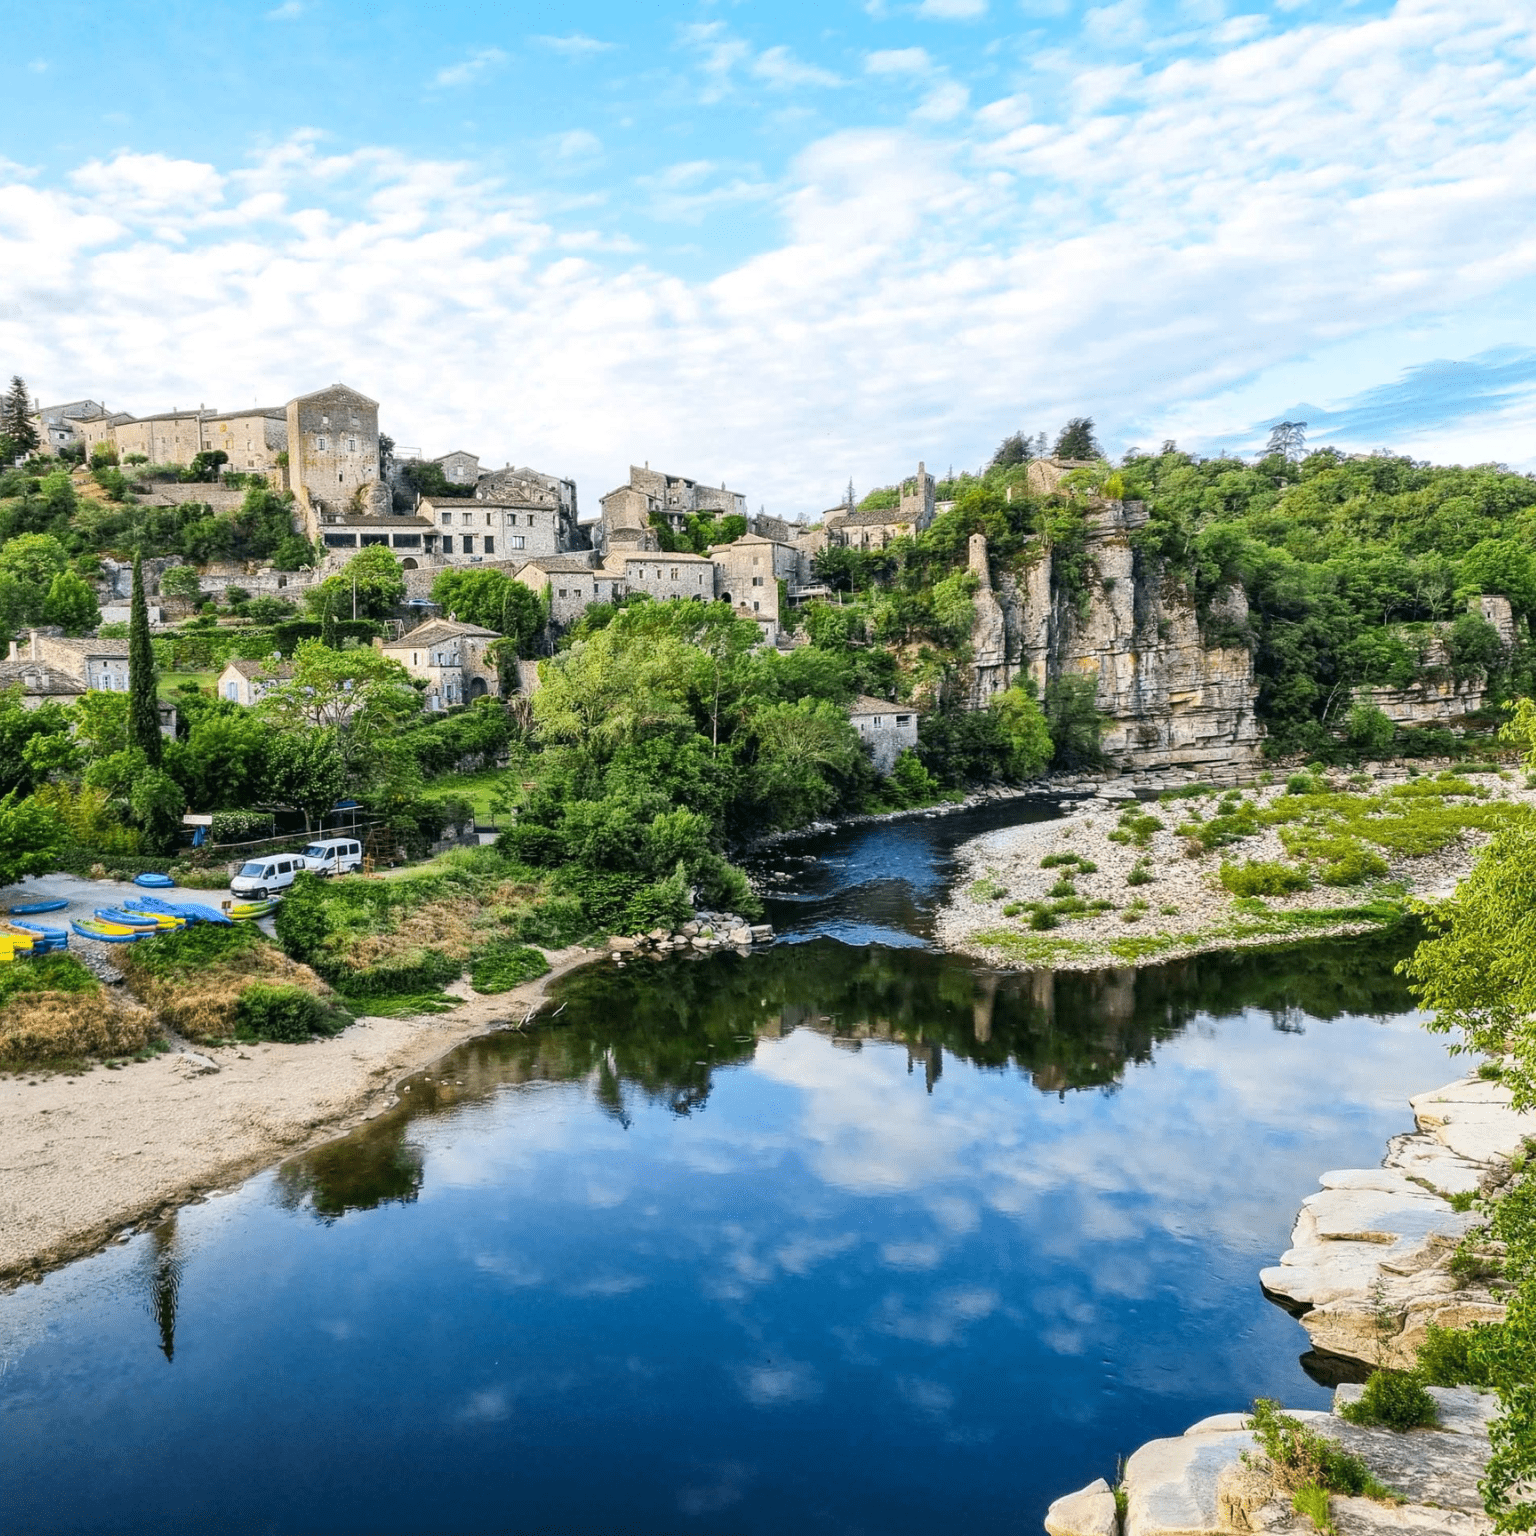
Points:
[628,510]
[573,584]
[91,662]
[40,683]
[248,682]
[748,573]
[450,658]
[665,576]
[251,439]
[875,527]
[58,426]
[168,437]
[888,729]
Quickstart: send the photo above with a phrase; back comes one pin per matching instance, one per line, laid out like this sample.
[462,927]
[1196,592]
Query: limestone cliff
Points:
[1171,700]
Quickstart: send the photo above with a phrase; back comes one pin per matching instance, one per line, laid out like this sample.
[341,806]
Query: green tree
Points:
[182,581]
[24,761]
[304,770]
[143,678]
[71,604]
[1023,737]
[373,575]
[101,722]
[30,839]
[31,560]
[361,697]
[16,419]
[157,802]
[1076,440]
[494,600]
[1074,721]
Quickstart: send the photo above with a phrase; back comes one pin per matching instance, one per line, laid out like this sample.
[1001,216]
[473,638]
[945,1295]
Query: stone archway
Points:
[407,564]
[477,687]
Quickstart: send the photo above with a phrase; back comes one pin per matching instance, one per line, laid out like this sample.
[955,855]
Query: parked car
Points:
[268,876]
[333,856]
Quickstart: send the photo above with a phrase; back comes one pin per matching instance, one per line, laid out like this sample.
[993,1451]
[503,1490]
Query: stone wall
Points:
[1171,701]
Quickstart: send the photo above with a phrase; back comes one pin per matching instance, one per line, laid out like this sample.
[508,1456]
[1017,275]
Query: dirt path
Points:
[82,1158]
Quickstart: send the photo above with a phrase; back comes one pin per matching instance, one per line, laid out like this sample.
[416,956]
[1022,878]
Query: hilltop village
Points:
[231,633]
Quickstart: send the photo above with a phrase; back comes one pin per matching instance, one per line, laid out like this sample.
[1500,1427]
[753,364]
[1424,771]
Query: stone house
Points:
[40,683]
[91,662]
[459,467]
[473,530]
[627,510]
[665,576]
[248,682]
[333,455]
[748,573]
[1044,475]
[252,439]
[58,426]
[450,658]
[875,527]
[413,539]
[573,583]
[529,490]
[887,729]
[169,437]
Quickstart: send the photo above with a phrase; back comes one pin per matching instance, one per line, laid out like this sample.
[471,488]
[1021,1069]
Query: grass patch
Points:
[285,1012]
[504,965]
[401,1005]
[1300,1457]
[1136,826]
[54,1012]
[987,890]
[1032,950]
[1141,873]
[1263,877]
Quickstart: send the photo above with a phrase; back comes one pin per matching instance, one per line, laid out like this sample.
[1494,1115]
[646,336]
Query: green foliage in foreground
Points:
[1394,1400]
[280,1012]
[1257,877]
[187,951]
[502,966]
[1300,1457]
[45,973]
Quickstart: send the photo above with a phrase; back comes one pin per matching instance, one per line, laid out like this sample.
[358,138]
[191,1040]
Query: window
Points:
[351,445]
[518,541]
[415,658]
[320,444]
[325,421]
[487,519]
[469,543]
[562,591]
[447,519]
[530,519]
[467,518]
[903,719]
[340,476]
[232,691]
[490,545]
[757,581]
[674,573]
[755,607]
[879,721]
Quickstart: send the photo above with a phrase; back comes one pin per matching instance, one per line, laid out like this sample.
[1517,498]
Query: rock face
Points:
[1199,1484]
[1368,1266]
[1172,701]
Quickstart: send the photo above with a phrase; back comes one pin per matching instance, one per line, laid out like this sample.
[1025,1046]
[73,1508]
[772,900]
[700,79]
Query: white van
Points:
[333,856]
[269,876]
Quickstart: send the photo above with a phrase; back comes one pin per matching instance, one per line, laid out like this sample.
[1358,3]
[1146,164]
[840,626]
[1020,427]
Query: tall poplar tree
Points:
[143,689]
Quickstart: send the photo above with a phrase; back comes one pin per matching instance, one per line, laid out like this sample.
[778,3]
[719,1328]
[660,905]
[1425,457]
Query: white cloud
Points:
[575,144]
[576,45]
[898,61]
[287,11]
[925,292]
[952,10]
[778,66]
[943,103]
[470,68]
[38,66]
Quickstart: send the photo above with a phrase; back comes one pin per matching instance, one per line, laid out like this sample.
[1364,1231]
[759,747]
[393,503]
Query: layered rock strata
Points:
[1368,1269]
[1171,700]
[1198,1484]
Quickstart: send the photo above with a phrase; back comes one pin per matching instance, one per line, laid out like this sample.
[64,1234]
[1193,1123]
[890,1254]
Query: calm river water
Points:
[846,1236]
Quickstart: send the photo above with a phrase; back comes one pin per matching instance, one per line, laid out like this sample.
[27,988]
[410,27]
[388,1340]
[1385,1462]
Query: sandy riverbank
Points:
[82,1158]
[1182,908]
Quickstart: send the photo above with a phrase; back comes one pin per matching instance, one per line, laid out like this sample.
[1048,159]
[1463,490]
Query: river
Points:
[842,1236]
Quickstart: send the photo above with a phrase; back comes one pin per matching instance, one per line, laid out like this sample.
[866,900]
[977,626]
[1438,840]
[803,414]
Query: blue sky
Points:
[785,244]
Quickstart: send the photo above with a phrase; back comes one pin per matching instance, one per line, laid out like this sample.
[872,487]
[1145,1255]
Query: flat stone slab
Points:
[1170,1485]
[1088,1512]
[1474,1119]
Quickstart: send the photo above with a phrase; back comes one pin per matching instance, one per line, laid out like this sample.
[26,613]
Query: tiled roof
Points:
[435,630]
[250,670]
[559,565]
[875,516]
[37,677]
[865,705]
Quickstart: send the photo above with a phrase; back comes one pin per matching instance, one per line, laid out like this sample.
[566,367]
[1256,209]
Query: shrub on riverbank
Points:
[197,979]
[1394,1400]
[1258,877]
[285,1012]
[53,1011]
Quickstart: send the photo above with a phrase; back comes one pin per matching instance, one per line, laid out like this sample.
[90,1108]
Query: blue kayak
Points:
[47,938]
[128,919]
[155,882]
[40,906]
[87,931]
[191,911]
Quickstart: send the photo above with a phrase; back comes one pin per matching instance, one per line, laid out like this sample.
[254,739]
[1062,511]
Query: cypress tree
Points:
[143,689]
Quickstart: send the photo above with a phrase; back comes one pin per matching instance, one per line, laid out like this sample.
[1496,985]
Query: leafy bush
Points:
[1304,784]
[240,826]
[1448,1358]
[1141,873]
[1259,877]
[504,965]
[1395,1400]
[1062,888]
[554,923]
[287,1013]
[1042,918]
[1354,866]
[1299,1456]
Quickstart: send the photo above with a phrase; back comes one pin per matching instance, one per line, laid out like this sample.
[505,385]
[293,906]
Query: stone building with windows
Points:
[458,467]
[450,658]
[58,427]
[573,583]
[169,437]
[248,682]
[333,456]
[91,662]
[888,729]
[875,527]
[627,510]
[252,439]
